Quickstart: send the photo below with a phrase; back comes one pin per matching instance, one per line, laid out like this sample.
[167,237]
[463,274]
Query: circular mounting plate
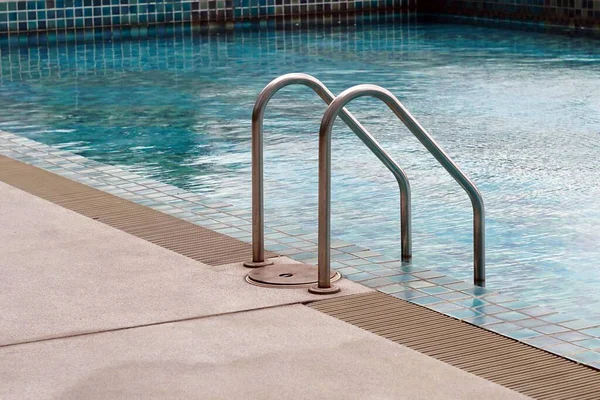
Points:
[287,276]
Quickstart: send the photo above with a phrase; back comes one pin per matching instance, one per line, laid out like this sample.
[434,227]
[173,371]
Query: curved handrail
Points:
[411,123]
[258,255]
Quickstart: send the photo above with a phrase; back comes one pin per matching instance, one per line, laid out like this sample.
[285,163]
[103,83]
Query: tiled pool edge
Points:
[537,326]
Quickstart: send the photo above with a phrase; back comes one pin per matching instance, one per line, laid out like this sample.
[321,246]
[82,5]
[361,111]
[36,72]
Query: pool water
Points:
[518,111]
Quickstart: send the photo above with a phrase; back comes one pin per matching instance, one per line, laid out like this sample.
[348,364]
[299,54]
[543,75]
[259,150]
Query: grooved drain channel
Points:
[525,369]
[193,241]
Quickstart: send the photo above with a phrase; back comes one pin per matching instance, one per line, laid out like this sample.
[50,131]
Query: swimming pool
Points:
[518,111]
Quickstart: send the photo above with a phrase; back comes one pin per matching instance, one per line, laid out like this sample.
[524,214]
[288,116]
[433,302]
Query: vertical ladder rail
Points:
[258,253]
[411,123]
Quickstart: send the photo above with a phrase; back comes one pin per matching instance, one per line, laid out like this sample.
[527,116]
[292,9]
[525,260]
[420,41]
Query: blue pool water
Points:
[518,111]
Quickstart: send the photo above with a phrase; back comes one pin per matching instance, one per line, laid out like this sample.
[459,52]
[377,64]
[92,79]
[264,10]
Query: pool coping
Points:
[541,327]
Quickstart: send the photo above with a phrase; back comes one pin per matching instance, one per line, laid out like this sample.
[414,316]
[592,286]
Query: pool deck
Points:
[538,326]
[93,312]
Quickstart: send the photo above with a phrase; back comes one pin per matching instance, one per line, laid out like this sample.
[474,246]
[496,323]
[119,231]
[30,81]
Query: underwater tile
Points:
[550,329]
[464,313]
[591,332]
[557,318]
[373,283]
[385,272]
[408,294]
[347,270]
[434,290]
[580,324]
[491,309]
[522,334]
[445,307]
[453,296]
[564,349]
[570,336]
[419,284]
[361,276]
[503,327]
[460,286]
[511,316]
[537,311]
[543,341]
[482,320]
[425,300]
[589,343]
[444,280]
[530,323]
[392,288]
[404,278]
[428,274]
[499,298]
[472,302]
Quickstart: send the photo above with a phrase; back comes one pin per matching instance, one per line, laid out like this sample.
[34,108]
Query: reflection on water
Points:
[519,111]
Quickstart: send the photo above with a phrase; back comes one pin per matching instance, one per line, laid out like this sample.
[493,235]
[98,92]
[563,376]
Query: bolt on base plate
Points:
[287,276]
[257,264]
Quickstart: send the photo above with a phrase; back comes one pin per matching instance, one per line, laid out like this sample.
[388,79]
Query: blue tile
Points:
[543,341]
[591,332]
[556,318]
[503,327]
[564,349]
[537,311]
[522,334]
[408,294]
[435,290]
[403,278]
[549,329]
[580,324]
[445,280]
[426,300]
[373,283]
[587,356]
[482,320]
[570,336]
[392,288]
[445,307]
[511,316]
[472,302]
[466,313]
[491,309]
[499,298]
[476,291]
[453,296]
[361,276]
[589,343]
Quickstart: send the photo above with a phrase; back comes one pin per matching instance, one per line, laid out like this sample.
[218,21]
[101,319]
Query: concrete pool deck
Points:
[92,312]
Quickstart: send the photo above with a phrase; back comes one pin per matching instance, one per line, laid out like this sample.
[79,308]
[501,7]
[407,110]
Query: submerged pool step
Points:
[515,365]
[183,237]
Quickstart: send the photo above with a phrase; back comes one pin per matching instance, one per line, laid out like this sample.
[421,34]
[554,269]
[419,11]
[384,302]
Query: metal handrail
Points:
[411,123]
[258,254]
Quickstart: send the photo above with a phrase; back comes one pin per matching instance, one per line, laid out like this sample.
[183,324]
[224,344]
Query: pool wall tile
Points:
[582,14]
[142,17]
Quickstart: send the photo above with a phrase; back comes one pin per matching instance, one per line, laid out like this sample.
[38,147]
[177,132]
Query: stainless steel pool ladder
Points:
[258,235]
[336,107]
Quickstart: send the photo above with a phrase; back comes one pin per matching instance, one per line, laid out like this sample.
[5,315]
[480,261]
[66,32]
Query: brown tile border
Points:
[183,237]
[515,365]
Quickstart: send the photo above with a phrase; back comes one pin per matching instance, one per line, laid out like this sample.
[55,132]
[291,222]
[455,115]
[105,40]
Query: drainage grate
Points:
[172,233]
[525,369]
